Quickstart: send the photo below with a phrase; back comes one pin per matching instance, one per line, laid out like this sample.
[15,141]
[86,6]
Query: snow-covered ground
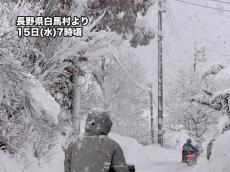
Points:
[146,158]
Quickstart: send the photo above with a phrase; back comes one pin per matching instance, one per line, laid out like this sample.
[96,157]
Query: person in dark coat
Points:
[188,149]
[95,151]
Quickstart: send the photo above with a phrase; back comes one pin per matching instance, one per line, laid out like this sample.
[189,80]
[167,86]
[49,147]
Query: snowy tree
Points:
[23,122]
[60,63]
[191,85]
[27,125]
[121,16]
[60,67]
[217,100]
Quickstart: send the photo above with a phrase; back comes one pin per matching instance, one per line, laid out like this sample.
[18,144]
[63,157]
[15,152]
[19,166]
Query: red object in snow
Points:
[190,157]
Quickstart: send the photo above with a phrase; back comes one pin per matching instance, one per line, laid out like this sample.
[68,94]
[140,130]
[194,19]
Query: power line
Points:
[171,20]
[168,54]
[200,5]
[172,24]
[140,86]
[170,12]
[224,2]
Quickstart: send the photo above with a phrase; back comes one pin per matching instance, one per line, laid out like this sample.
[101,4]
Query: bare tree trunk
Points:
[76,100]
[100,78]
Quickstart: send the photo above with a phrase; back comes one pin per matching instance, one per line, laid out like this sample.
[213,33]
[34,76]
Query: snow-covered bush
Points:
[217,100]
[181,107]
[26,122]
[221,150]
[220,156]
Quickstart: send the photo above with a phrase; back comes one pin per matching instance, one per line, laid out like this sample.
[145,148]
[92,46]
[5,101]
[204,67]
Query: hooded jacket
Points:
[95,151]
[189,148]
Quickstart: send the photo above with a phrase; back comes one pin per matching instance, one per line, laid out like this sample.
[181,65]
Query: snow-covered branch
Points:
[142,87]
[213,70]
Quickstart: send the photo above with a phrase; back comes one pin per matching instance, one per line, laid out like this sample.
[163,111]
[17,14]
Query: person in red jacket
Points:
[95,151]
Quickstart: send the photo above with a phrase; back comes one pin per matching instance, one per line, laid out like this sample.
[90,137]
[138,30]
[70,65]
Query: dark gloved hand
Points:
[131,168]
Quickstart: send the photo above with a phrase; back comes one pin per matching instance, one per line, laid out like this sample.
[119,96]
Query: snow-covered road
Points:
[146,158]
[156,159]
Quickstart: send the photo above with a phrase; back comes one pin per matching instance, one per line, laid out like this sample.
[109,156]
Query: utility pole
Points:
[76,112]
[151,113]
[160,74]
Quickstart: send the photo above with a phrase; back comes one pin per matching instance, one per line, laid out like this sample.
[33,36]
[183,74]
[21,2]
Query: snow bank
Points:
[55,164]
[8,164]
[220,157]
[144,157]
[221,153]
[129,145]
